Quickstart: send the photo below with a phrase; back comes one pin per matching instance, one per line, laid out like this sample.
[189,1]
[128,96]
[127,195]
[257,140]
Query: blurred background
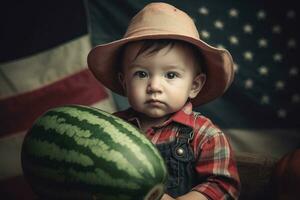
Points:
[44,45]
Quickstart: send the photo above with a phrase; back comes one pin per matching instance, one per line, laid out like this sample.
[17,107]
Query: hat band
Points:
[156,31]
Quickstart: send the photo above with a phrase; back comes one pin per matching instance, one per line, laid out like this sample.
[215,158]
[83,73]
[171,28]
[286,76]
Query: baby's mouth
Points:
[154,102]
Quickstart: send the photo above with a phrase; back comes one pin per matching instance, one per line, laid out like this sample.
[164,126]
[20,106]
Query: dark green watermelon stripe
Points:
[38,132]
[96,146]
[112,132]
[128,130]
[69,144]
[98,177]
[61,142]
[40,148]
[67,182]
[69,190]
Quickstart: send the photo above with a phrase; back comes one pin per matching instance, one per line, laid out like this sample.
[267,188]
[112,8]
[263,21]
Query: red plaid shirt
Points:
[215,158]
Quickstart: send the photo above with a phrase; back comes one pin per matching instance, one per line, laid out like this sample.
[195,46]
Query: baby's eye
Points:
[140,74]
[172,75]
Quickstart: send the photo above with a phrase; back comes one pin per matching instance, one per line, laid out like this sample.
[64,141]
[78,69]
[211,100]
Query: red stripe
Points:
[19,112]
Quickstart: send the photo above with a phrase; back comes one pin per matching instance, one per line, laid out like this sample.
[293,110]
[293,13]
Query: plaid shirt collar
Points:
[183,116]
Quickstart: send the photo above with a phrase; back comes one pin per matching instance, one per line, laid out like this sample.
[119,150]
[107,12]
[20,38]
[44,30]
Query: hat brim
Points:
[103,61]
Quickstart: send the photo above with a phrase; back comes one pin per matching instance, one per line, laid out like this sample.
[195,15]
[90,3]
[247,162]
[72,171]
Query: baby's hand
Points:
[167,197]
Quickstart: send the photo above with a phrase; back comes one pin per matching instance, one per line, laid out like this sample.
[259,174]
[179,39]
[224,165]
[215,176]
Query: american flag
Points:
[262,37]
[39,37]
[260,110]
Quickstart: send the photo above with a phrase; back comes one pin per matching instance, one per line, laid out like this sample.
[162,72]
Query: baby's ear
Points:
[197,85]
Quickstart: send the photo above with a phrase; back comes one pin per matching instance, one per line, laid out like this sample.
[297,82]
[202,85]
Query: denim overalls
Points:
[180,162]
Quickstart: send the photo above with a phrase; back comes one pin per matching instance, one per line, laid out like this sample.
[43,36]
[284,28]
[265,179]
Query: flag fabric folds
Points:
[42,65]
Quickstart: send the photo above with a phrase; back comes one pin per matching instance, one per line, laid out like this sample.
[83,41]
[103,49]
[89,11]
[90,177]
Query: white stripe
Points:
[275,143]
[107,104]
[44,68]
[10,155]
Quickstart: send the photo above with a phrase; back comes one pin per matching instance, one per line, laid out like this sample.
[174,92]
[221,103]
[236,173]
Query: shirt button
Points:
[179,151]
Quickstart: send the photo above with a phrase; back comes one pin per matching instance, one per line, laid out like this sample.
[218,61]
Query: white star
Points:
[263,70]
[281,113]
[296,98]
[233,12]
[293,71]
[248,28]
[261,14]
[248,55]
[249,83]
[235,67]
[280,85]
[203,10]
[291,14]
[221,46]
[265,99]
[277,57]
[233,40]
[205,34]
[262,42]
[219,24]
[292,43]
[276,29]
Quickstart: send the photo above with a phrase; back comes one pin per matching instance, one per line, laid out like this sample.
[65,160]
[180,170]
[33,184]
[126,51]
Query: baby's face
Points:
[158,84]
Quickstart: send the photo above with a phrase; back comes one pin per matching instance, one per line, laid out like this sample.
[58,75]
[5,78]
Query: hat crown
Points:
[161,18]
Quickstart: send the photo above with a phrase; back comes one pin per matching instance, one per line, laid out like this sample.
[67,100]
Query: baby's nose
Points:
[154,85]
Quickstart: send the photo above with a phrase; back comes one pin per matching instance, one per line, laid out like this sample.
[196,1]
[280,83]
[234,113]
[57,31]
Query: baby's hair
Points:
[157,44]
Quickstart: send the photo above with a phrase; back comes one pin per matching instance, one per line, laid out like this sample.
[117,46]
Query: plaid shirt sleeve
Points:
[216,166]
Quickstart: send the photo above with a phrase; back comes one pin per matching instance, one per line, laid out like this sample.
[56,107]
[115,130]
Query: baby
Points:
[165,69]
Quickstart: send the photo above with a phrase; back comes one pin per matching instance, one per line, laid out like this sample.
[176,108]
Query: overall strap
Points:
[185,134]
[181,149]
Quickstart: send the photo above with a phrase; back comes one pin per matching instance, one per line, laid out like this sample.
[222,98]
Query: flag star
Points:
[233,12]
[219,24]
[280,85]
[276,29]
[277,57]
[291,14]
[249,83]
[248,55]
[203,10]
[220,46]
[248,28]
[263,70]
[205,34]
[281,113]
[292,43]
[265,99]
[235,67]
[233,40]
[262,42]
[293,71]
[261,14]
[296,98]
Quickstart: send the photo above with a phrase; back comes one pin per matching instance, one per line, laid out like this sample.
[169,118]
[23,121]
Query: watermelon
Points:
[80,152]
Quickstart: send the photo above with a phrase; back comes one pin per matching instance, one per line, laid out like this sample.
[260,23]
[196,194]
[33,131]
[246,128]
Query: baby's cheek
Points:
[178,98]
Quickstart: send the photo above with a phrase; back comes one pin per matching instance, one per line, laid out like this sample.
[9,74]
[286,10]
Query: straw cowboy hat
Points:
[163,21]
